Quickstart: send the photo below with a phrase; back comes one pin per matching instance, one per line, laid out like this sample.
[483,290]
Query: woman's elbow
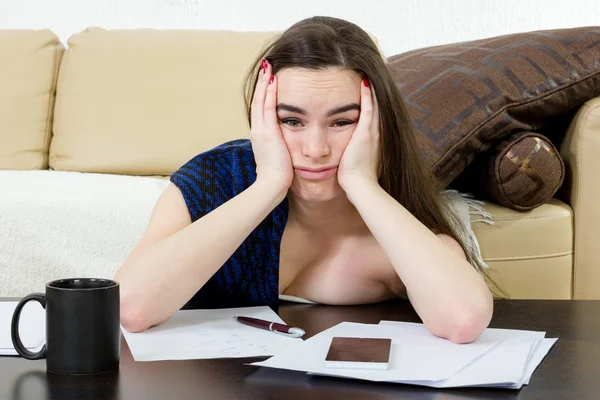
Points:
[134,319]
[134,315]
[468,329]
[139,311]
[468,324]
[464,323]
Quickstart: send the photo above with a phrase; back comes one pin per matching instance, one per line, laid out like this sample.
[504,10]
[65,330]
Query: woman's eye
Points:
[291,122]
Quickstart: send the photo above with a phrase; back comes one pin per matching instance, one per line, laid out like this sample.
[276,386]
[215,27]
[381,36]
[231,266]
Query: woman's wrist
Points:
[356,185]
[272,189]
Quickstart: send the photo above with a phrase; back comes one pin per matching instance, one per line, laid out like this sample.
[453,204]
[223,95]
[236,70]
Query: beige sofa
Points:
[142,102]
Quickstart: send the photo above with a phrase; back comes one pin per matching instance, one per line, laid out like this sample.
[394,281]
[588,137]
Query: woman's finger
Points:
[270,111]
[366,107]
[375,117]
[258,102]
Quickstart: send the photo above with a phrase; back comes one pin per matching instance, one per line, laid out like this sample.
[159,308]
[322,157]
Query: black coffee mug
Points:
[83,331]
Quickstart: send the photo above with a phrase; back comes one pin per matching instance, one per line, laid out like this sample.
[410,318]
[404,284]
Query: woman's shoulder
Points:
[228,162]
[216,175]
[232,154]
[230,148]
[237,145]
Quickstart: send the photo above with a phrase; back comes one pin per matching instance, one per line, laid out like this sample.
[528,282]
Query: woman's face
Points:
[318,112]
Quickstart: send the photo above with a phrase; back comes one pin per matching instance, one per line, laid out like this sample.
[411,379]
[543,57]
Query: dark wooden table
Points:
[570,370]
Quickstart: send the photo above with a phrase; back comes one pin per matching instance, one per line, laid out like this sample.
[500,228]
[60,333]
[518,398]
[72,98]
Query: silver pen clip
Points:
[293,332]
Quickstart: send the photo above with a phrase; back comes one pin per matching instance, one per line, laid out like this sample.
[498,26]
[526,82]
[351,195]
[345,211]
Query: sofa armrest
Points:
[580,151]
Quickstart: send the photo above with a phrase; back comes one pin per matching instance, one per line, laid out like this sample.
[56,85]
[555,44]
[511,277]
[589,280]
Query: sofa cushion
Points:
[145,101]
[530,254]
[521,172]
[463,97]
[28,71]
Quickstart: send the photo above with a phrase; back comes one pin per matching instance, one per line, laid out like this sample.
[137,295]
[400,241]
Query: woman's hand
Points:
[273,161]
[360,161]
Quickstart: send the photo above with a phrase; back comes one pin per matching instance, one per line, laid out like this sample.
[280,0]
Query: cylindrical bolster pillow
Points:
[521,172]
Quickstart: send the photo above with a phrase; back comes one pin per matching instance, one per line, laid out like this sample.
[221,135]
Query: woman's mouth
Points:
[316,173]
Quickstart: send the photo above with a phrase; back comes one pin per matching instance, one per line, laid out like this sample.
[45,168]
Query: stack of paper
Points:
[201,334]
[498,358]
[32,327]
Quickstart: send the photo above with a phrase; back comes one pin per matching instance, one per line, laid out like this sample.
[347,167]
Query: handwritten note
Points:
[201,334]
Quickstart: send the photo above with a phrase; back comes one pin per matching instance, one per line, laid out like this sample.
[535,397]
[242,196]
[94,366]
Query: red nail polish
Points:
[366,82]
[271,79]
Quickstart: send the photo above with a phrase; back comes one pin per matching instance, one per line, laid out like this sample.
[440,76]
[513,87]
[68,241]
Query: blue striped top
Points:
[250,277]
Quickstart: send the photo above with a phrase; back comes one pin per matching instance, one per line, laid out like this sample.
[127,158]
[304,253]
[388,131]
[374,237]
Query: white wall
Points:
[399,25]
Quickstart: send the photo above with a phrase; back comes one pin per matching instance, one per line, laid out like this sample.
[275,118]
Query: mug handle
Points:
[14,328]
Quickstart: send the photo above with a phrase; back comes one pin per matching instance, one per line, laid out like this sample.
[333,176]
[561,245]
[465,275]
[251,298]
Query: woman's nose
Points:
[315,145]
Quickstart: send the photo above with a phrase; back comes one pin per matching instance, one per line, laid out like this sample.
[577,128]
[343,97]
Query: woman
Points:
[327,201]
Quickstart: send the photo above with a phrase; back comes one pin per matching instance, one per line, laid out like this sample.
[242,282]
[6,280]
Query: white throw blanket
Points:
[67,224]
[57,224]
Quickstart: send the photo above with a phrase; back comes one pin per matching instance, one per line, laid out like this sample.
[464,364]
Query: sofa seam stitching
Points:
[530,257]
[49,133]
[49,108]
[526,218]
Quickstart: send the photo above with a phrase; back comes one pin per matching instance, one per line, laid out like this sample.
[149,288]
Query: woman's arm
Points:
[449,295]
[175,257]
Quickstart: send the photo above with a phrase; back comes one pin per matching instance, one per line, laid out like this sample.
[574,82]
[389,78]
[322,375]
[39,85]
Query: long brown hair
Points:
[322,42]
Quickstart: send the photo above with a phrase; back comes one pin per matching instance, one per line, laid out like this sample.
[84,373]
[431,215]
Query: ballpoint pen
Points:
[274,327]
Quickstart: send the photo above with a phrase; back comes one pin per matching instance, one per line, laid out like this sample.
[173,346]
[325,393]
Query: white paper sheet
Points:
[501,366]
[201,334]
[32,326]
[499,357]
[415,355]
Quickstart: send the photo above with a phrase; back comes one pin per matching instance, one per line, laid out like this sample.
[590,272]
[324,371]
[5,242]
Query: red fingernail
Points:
[263,66]
[271,79]
[366,82]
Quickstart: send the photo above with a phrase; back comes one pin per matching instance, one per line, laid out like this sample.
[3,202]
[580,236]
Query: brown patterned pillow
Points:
[463,97]
[522,171]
